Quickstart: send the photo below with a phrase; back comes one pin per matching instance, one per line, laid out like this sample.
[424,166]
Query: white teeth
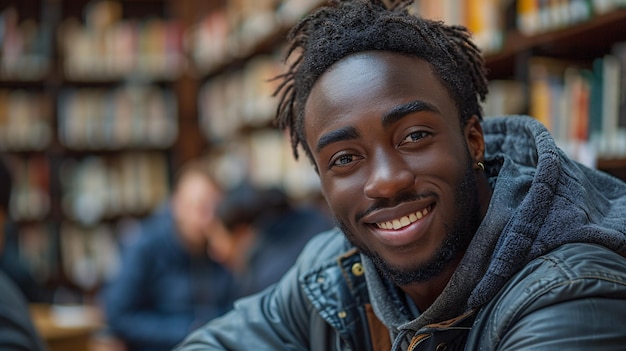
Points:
[403,221]
[396,224]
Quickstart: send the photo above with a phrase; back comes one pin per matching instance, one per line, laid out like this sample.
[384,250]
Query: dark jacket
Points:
[17,332]
[544,271]
[161,292]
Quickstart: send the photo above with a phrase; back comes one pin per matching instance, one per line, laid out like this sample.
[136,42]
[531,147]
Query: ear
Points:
[474,139]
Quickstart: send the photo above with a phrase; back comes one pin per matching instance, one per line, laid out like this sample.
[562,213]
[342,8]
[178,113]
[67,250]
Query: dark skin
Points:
[391,153]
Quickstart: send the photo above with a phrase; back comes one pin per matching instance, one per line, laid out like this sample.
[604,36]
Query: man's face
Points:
[194,204]
[395,164]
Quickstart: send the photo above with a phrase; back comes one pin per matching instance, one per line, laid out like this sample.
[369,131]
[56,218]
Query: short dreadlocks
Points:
[342,28]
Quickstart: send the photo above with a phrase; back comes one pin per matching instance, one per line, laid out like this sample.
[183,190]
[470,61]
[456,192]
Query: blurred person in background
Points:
[167,285]
[260,233]
[17,331]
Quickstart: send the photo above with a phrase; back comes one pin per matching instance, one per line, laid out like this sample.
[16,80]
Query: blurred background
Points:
[101,101]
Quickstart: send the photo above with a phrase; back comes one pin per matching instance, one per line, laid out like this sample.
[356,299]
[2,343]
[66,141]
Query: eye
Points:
[343,160]
[415,136]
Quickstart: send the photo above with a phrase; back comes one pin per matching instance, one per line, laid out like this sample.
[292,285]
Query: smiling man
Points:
[392,135]
[461,234]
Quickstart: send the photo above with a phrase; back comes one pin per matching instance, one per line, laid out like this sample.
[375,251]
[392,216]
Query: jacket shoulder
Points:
[569,297]
[323,247]
[594,269]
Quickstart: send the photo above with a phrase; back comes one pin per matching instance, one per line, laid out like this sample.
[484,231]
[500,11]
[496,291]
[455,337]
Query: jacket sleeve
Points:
[595,323]
[17,332]
[279,318]
[572,299]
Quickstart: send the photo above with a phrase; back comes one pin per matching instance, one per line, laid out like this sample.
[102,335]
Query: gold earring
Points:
[481,165]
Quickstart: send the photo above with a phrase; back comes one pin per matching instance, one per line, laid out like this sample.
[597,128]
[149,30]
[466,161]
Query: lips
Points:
[403,230]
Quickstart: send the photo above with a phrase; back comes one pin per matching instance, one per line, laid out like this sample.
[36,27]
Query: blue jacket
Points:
[161,292]
[544,271]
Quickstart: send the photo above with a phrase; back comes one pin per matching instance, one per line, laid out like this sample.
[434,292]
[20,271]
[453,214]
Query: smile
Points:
[404,220]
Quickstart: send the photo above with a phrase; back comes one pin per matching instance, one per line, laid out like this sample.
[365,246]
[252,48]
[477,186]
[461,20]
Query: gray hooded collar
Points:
[541,200]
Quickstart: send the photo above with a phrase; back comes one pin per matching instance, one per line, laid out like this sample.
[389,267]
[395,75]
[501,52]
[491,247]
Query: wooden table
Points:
[66,328]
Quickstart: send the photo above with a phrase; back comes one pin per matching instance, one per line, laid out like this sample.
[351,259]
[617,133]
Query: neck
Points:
[424,294]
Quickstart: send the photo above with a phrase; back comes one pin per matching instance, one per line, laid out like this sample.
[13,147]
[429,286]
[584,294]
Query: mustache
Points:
[392,202]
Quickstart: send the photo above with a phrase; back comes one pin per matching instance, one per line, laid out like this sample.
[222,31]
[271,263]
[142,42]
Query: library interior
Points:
[103,101]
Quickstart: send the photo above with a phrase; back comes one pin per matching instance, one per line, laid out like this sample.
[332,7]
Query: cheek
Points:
[341,194]
[447,163]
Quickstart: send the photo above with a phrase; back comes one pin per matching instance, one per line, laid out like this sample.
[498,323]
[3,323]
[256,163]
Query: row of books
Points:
[88,255]
[25,47]
[583,105]
[99,187]
[147,48]
[93,188]
[537,16]
[484,18]
[128,116]
[25,120]
[236,30]
[107,46]
[89,118]
[237,100]
[488,21]
[30,196]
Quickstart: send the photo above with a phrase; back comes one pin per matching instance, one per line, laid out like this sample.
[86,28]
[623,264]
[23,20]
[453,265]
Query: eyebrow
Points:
[398,112]
[395,114]
[346,133]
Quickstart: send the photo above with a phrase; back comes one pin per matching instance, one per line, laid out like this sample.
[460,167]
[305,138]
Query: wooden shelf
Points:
[612,163]
[585,40]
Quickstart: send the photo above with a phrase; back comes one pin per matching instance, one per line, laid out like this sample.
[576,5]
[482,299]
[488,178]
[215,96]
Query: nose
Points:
[389,175]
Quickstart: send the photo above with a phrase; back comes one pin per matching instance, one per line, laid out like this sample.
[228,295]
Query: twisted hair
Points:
[345,27]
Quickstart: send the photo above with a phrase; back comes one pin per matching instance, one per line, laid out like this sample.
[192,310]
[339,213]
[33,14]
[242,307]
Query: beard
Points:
[458,235]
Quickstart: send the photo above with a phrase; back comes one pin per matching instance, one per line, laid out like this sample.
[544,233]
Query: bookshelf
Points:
[89,121]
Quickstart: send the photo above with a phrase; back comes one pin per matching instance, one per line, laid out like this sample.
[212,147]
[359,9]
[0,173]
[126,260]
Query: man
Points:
[260,234]
[461,235]
[167,285]
[17,332]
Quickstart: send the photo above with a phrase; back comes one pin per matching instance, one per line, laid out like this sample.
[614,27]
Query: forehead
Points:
[371,79]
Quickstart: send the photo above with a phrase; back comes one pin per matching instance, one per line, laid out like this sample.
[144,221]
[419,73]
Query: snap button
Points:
[342,314]
[442,347]
[357,269]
